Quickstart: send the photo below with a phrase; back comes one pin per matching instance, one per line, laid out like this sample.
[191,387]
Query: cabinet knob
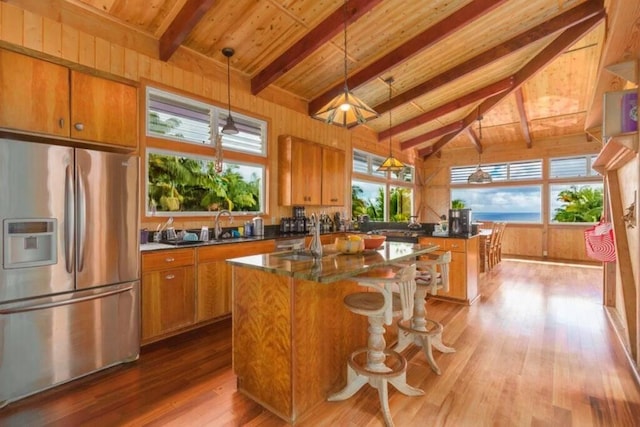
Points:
[170,276]
[61,123]
[79,126]
[169,259]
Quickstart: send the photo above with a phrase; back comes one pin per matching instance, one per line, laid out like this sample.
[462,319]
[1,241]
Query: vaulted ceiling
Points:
[527,67]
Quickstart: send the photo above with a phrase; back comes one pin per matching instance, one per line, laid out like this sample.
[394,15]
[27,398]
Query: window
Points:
[185,182]
[575,202]
[512,203]
[579,200]
[171,116]
[571,167]
[368,198]
[383,196]
[514,171]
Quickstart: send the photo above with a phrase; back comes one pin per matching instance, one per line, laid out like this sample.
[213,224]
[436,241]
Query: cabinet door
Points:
[168,301]
[34,95]
[215,275]
[103,110]
[333,174]
[214,290]
[306,173]
[457,277]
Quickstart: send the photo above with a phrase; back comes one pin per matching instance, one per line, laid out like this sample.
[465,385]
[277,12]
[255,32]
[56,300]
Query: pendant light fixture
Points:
[230,127]
[479,176]
[345,109]
[391,164]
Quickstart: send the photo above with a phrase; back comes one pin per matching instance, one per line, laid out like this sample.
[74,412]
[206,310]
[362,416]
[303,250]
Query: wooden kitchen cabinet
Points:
[333,175]
[103,110]
[45,98]
[34,95]
[464,268]
[215,275]
[309,174]
[168,292]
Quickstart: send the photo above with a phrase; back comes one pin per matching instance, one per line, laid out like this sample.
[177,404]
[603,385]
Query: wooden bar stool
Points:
[376,365]
[433,276]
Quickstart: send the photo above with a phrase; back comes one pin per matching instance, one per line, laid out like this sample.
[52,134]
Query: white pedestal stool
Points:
[381,365]
[433,276]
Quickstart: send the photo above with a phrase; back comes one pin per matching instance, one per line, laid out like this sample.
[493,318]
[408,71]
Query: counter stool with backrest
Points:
[499,242]
[376,365]
[432,276]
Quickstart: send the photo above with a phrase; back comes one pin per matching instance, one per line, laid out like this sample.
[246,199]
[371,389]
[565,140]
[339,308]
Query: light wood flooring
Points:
[535,350]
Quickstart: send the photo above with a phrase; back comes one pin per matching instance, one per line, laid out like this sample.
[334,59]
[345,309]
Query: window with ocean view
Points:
[510,204]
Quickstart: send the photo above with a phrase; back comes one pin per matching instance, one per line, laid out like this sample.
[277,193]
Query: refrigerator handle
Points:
[67,301]
[82,219]
[69,219]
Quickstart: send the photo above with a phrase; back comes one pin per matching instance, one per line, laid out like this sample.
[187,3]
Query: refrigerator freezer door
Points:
[36,196]
[51,340]
[106,218]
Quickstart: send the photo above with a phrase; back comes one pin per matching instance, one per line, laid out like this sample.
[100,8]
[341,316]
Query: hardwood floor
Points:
[535,350]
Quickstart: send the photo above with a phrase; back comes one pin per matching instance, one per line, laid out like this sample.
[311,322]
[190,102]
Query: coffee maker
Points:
[460,222]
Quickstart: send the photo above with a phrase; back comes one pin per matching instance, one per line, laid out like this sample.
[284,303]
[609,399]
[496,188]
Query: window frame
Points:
[170,145]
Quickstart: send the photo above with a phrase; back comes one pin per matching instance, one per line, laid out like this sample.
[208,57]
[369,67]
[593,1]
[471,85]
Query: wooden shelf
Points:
[619,150]
[628,70]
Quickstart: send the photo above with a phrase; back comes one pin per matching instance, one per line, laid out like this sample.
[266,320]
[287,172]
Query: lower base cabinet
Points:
[464,268]
[184,288]
[214,275]
[168,292]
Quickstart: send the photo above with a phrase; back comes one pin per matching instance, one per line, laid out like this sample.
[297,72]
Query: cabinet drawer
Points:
[167,259]
[455,245]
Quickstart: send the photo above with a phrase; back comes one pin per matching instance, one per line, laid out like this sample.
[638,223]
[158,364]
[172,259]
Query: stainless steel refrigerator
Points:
[70,276]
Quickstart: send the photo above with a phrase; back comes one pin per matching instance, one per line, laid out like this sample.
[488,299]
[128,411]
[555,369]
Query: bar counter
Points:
[291,332]
[333,265]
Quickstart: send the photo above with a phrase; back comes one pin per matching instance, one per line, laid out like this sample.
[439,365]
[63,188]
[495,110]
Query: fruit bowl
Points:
[351,244]
[373,241]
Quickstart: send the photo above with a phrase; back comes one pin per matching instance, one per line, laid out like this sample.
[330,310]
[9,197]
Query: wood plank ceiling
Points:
[526,66]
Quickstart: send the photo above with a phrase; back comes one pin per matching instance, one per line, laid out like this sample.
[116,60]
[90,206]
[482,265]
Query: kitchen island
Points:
[291,333]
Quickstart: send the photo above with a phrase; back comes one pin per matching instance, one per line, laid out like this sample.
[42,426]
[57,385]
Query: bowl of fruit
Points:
[349,244]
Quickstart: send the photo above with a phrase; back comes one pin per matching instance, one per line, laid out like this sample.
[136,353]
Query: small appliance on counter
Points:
[460,222]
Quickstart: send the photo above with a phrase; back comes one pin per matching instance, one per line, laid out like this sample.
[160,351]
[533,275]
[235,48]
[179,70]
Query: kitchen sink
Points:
[180,242]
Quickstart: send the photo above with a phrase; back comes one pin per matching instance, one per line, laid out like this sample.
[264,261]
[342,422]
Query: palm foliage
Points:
[579,205]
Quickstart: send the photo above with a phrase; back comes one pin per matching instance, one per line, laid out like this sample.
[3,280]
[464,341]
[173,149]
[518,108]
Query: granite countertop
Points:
[153,246]
[333,265]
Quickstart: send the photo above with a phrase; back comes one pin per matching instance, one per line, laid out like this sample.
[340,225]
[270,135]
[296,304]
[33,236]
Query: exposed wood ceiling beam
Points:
[548,54]
[561,22]
[182,25]
[444,130]
[474,140]
[523,117]
[439,31]
[315,38]
[449,107]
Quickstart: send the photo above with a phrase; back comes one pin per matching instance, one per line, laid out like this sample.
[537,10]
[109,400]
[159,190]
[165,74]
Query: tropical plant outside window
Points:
[189,182]
[180,183]
[576,203]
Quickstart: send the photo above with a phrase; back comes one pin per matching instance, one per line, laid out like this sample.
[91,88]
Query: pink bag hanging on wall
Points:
[599,242]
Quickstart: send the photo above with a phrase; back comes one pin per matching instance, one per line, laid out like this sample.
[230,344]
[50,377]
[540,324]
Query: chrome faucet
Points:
[217,229]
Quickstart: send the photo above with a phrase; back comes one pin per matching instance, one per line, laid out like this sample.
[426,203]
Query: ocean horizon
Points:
[507,216]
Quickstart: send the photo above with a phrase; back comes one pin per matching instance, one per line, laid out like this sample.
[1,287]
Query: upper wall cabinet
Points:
[40,97]
[309,174]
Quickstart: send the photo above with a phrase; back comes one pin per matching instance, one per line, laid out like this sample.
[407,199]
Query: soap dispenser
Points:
[316,245]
